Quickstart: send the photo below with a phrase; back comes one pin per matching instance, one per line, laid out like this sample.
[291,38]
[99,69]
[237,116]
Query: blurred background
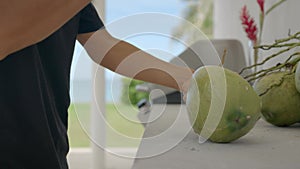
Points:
[217,19]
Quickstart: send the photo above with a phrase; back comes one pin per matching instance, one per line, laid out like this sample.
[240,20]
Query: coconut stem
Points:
[268,47]
[270,57]
[280,42]
[224,56]
[264,72]
[288,63]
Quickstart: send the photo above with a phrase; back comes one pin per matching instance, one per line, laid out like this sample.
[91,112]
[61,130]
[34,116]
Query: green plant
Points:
[200,14]
[253,33]
[129,93]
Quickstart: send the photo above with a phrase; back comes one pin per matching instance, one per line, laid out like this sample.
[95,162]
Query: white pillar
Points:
[100,6]
[228,25]
[98,103]
[97,123]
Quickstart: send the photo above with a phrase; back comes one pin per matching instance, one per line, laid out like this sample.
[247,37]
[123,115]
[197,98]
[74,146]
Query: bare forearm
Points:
[132,62]
[128,60]
[24,23]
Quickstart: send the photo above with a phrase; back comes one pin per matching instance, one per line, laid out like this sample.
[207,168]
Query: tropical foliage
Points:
[129,93]
[200,14]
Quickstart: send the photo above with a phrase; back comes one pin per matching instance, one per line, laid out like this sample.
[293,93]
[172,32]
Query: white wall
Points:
[277,24]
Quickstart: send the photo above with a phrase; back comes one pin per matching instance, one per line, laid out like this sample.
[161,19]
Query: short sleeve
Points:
[89,20]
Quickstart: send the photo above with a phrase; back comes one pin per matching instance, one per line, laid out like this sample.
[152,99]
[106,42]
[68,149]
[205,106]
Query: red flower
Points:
[249,24]
[261,5]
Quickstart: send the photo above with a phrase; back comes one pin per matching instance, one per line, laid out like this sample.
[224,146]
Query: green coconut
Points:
[280,99]
[297,78]
[233,107]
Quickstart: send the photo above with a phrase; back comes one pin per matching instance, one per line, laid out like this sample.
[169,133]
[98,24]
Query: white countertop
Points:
[265,147]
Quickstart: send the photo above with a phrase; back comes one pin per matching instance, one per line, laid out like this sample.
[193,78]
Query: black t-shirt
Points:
[34,98]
